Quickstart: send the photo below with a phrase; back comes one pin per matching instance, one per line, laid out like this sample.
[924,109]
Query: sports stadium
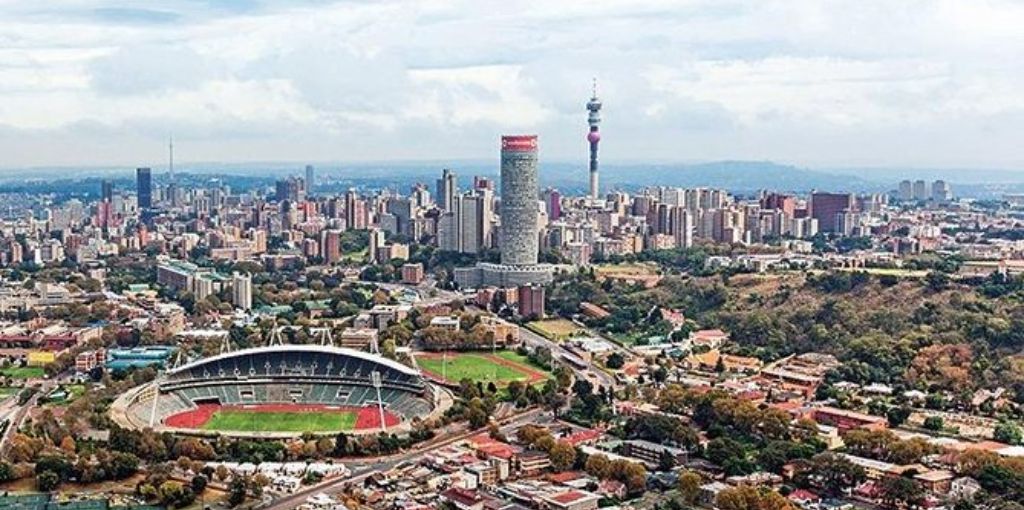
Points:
[282,391]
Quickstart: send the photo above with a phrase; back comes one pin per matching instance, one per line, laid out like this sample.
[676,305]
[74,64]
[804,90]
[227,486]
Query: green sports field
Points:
[239,420]
[505,367]
[23,372]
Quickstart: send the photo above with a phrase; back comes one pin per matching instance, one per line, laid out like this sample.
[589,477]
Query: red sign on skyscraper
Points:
[519,142]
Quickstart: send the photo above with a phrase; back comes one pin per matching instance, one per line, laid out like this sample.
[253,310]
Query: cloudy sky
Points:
[819,83]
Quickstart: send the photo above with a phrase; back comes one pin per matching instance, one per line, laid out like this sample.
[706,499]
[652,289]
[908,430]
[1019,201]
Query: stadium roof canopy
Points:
[316,349]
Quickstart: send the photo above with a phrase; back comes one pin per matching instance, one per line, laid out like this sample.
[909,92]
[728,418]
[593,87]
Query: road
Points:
[593,373]
[10,410]
[363,468]
[423,291]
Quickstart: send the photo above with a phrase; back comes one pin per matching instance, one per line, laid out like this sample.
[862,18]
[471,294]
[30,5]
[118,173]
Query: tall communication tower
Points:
[594,136]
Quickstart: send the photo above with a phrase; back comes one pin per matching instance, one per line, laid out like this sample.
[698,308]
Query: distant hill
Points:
[741,177]
[736,176]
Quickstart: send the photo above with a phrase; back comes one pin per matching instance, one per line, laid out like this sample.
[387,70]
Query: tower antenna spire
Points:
[170,157]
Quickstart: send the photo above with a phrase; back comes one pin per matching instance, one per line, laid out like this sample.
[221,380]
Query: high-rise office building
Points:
[241,291]
[681,226]
[447,190]
[309,179]
[941,192]
[553,204]
[404,211]
[520,218]
[906,190]
[355,211]
[531,301]
[480,182]
[374,244]
[920,190]
[448,231]
[476,215]
[144,187]
[825,207]
[780,202]
[519,190]
[107,191]
[330,246]
[291,189]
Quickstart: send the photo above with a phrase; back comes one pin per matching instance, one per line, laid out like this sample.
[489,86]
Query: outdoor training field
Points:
[280,418]
[502,368]
[556,329]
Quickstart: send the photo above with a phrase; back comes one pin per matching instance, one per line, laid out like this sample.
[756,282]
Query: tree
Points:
[947,366]
[689,487]
[933,423]
[666,461]
[1007,432]
[175,495]
[237,490]
[832,473]
[198,484]
[123,465]
[562,456]
[47,481]
[615,361]
[746,497]
[598,466]
[900,492]
[515,389]
[68,445]
[897,415]
[729,454]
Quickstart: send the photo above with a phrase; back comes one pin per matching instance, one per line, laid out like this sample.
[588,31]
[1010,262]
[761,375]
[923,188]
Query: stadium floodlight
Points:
[375,379]
[323,335]
[275,336]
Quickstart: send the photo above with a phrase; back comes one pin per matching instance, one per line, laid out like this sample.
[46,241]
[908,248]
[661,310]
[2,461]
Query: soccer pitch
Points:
[504,368]
[240,420]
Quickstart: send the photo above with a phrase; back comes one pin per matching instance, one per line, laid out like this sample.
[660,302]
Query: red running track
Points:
[367,417]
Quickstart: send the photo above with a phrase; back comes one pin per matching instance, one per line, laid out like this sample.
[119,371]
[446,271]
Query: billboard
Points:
[40,358]
[519,143]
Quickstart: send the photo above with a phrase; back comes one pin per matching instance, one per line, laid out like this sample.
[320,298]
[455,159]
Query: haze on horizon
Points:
[816,83]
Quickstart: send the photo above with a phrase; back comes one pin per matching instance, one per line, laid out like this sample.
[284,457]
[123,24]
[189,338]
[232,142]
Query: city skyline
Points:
[100,84]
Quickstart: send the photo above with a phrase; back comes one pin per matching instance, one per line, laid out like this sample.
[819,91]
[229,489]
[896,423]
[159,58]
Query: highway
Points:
[363,468]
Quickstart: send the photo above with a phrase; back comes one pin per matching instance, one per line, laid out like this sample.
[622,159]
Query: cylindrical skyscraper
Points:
[519,191]
[594,136]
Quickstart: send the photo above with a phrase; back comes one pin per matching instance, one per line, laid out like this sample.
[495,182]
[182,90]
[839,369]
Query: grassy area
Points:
[524,360]
[888,271]
[6,391]
[481,367]
[260,421]
[355,256]
[555,329]
[23,372]
[73,392]
[621,270]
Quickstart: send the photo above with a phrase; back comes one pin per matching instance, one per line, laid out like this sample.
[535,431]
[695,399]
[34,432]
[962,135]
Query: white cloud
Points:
[681,79]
